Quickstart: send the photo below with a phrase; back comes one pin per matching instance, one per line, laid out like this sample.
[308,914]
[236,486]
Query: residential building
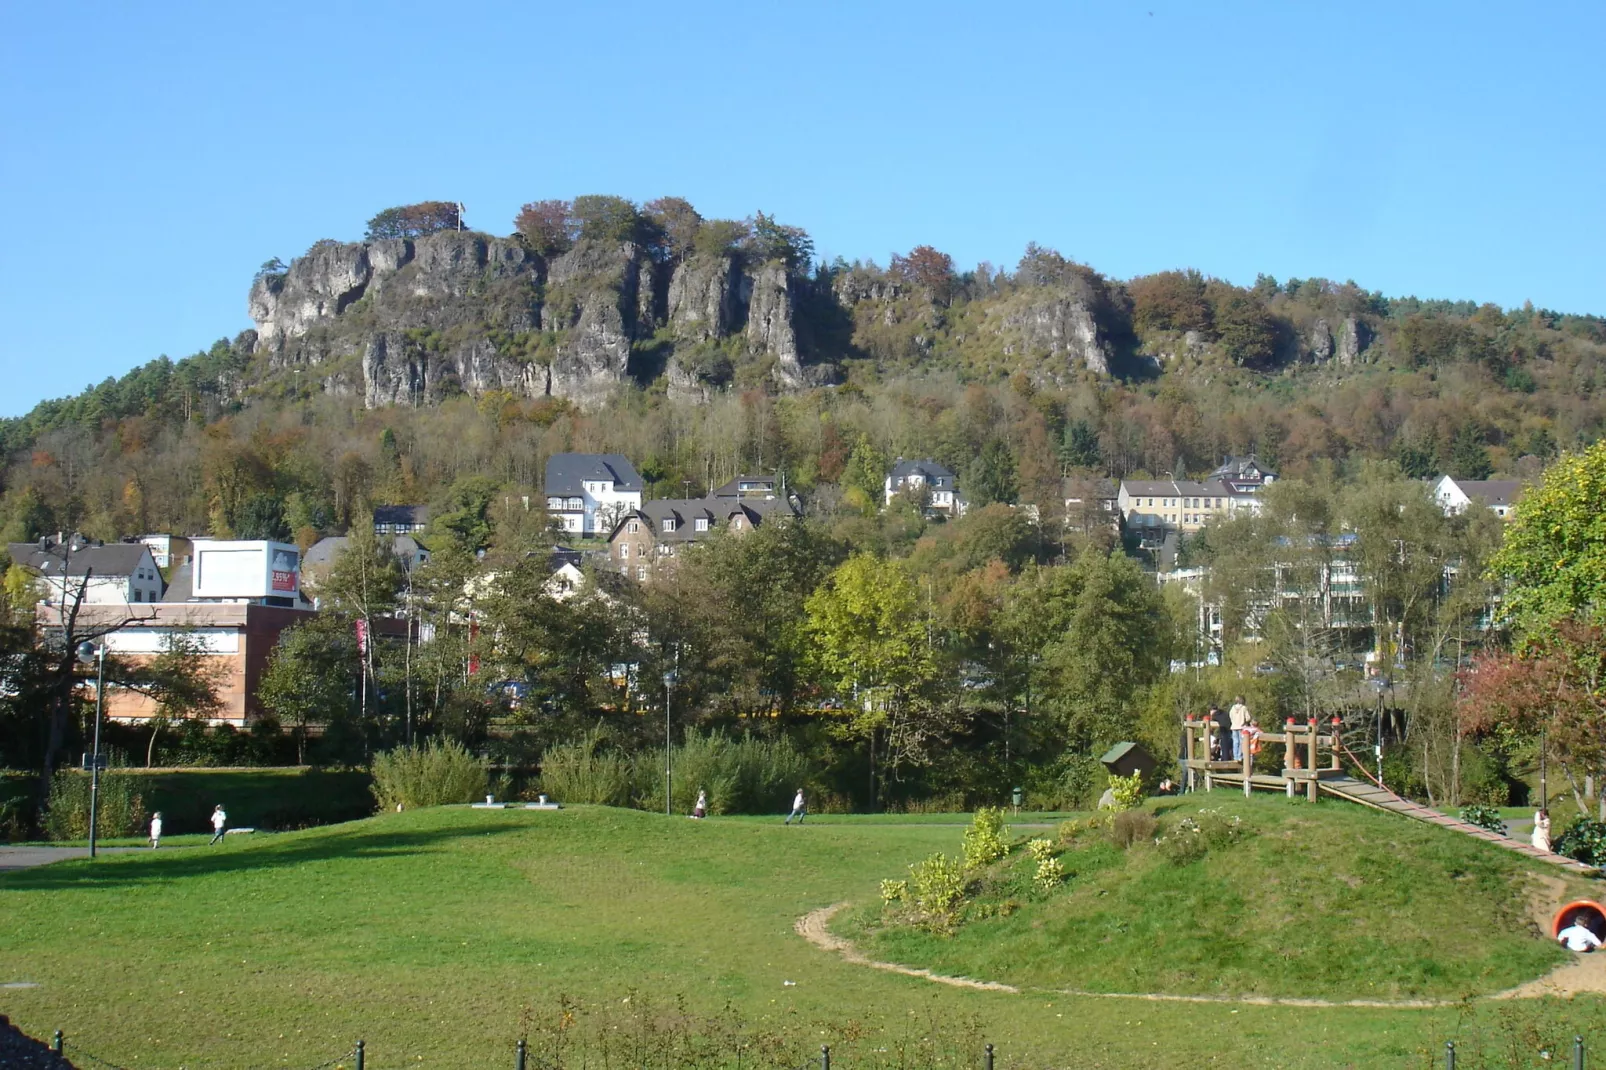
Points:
[1455,496]
[167,550]
[400,519]
[116,574]
[646,539]
[1243,475]
[245,570]
[1155,508]
[938,486]
[322,555]
[588,492]
[1091,504]
[759,486]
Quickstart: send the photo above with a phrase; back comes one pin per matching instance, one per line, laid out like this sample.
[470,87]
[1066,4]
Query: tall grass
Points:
[741,775]
[120,812]
[428,775]
[587,771]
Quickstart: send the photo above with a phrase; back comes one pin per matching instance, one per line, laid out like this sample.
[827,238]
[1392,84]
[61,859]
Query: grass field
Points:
[442,935]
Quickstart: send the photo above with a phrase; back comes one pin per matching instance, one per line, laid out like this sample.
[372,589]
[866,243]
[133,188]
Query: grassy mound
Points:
[1262,896]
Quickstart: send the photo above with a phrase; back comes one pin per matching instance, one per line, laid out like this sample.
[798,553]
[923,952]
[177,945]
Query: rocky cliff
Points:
[409,321]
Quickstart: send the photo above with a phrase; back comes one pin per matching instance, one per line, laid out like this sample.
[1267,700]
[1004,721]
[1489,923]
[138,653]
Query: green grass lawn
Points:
[442,935]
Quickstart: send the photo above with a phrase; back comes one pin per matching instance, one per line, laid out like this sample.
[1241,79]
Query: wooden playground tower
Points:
[1302,747]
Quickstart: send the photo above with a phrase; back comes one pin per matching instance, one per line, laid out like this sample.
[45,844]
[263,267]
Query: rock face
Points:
[1058,325]
[406,322]
[1321,342]
[1353,338]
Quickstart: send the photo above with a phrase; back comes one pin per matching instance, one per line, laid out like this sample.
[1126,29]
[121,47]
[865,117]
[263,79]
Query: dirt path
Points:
[1586,973]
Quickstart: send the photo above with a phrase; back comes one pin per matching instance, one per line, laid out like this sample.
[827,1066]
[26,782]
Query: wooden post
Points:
[1333,752]
[1248,763]
[1187,746]
[1310,764]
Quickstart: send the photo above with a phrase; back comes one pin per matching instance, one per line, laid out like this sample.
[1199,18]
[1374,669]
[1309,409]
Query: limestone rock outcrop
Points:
[1353,338]
[1060,326]
[1320,342]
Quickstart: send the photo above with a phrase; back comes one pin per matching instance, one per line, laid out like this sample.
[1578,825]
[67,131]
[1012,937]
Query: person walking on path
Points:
[700,811]
[799,810]
[1238,720]
[220,821]
[1541,836]
[156,830]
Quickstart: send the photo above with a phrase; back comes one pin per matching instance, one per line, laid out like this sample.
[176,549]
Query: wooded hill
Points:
[390,368]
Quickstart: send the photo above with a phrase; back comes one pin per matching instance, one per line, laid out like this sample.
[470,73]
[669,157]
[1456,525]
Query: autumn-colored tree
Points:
[1170,301]
[1244,329]
[928,269]
[547,226]
[675,224]
[413,220]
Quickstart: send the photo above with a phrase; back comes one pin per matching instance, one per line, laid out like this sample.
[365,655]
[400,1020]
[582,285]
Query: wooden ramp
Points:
[1359,791]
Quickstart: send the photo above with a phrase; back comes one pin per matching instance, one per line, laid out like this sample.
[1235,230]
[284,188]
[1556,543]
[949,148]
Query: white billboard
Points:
[246,569]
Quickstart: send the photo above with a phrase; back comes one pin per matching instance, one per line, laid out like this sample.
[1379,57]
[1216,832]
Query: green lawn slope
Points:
[1330,901]
[441,936]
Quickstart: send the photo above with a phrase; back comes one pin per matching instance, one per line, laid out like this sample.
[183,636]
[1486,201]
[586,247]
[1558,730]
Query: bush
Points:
[428,775]
[1127,791]
[984,840]
[1132,826]
[1050,870]
[1485,817]
[742,776]
[1585,840]
[938,885]
[121,809]
[586,772]
[1195,836]
[894,891]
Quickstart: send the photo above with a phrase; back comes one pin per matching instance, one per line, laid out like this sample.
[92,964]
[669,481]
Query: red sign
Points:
[283,575]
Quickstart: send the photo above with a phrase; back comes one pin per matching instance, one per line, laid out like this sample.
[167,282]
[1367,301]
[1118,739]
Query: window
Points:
[641,573]
[136,596]
[624,551]
[1151,503]
[702,523]
[669,523]
[635,526]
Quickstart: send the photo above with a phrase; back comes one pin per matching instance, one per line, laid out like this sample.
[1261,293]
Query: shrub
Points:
[430,774]
[938,885]
[121,809]
[1585,840]
[1050,873]
[586,772]
[1040,849]
[984,839]
[1127,791]
[1485,817]
[1195,836]
[748,775]
[894,891]
[1132,826]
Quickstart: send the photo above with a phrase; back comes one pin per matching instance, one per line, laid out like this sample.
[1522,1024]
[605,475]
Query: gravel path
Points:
[13,858]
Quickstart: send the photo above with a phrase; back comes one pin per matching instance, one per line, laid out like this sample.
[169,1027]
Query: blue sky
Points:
[154,158]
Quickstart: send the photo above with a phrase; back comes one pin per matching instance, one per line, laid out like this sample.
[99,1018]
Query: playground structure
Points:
[1586,912]
[1305,749]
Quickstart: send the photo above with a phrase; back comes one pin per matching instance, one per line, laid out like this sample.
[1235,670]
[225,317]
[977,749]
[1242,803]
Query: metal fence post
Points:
[360,1053]
[987,1058]
[518,1061]
[1449,1055]
[57,1042]
[1578,1053]
[825,1057]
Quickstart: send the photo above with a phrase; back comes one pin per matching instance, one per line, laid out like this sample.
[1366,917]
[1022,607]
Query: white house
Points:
[589,492]
[118,574]
[940,484]
[1455,495]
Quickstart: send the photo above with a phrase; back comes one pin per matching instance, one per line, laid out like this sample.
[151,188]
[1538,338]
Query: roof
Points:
[116,559]
[181,584]
[931,470]
[1126,752]
[744,485]
[1081,486]
[327,549]
[401,514]
[717,511]
[1242,468]
[1174,488]
[1501,492]
[567,473]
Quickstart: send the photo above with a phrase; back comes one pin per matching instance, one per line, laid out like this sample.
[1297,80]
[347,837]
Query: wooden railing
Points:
[1304,746]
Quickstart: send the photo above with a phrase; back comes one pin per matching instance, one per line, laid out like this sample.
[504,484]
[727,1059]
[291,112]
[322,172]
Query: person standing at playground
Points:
[1251,741]
[220,822]
[1541,835]
[1219,747]
[156,830]
[1238,720]
[799,810]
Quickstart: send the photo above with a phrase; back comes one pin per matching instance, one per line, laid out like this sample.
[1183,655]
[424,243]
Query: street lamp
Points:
[88,652]
[669,753]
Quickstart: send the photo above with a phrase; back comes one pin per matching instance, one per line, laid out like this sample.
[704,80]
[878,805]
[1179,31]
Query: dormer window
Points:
[635,526]
[702,523]
[669,523]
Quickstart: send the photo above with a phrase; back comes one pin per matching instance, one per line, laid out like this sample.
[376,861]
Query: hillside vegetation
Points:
[1222,895]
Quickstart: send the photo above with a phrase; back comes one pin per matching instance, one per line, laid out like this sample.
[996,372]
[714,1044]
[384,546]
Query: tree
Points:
[869,638]
[770,240]
[1244,328]
[930,270]
[676,224]
[1553,558]
[311,678]
[991,476]
[1468,457]
[603,218]
[864,479]
[414,220]
[547,226]
[720,237]
[261,517]
[183,679]
[1170,301]
[463,515]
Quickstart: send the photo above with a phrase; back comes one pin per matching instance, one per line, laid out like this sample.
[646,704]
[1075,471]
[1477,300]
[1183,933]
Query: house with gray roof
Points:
[588,492]
[1455,496]
[119,573]
[937,485]
[645,541]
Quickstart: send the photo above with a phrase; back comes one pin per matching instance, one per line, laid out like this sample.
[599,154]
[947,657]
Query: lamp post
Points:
[669,753]
[88,652]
